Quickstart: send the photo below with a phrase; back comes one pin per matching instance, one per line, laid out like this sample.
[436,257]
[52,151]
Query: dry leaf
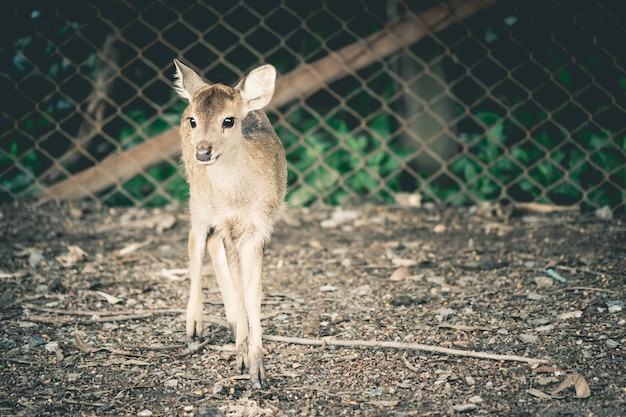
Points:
[81,345]
[72,257]
[579,383]
[111,299]
[567,382]
[582,388]
[539,394]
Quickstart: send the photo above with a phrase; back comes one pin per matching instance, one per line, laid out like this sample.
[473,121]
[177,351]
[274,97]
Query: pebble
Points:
[527,338]
[476,399]
[363,290]
[172,383]
[401,300]
[206,411]
[445,311]
[543,281]
[604,213]
[464,408]
[35,341]
[535,297]
[612,344]
[328,288]
[615,306]
[144,413]
[545,329]
[36,258]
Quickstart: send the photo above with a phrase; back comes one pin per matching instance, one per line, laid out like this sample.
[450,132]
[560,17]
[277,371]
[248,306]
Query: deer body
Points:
[236,169]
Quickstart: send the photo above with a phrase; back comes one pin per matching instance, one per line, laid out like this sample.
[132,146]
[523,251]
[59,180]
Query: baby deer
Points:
[236,169]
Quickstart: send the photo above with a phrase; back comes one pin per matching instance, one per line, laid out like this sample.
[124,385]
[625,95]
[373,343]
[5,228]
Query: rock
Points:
[362,291]
[615,306]
[206,411]
[604,213]
[545,329]
[36,258]
[172,383]
[464,408]
[400,274]
[527,338]
[476,399]
[543,282]
[328,288]
[445,311]
[402,300]
[35,341]
[535,297]
[612,344]
[144,413]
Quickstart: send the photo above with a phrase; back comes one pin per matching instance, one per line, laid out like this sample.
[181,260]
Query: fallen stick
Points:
[402,346]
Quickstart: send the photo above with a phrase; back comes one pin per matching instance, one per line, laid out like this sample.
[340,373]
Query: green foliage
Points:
[544,168]
[336,163]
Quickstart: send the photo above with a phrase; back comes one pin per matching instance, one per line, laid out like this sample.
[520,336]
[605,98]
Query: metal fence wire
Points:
[453,101]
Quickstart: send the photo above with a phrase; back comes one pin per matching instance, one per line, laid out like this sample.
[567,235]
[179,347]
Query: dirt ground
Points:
[92,315]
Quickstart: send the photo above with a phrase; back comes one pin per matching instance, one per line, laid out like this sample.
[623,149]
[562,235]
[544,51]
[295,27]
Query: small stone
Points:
[440,228]
[187,408]
[612,344]
[543,282]
[527,338]
[445,311]
[206,411]
[570,315]
[503,332]
[52,347]
[328,288]
[615,306]
[402,300]
[604,213]
[144,413]
[362,291]
[535,297]
[172,383]
[470,380]
[545,329]
[476,399]
[376,392]
[400,274]
[35,341]
[36,258]
[464,408]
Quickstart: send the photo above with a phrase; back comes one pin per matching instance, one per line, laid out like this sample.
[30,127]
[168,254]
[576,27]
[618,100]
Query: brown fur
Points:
[236,193]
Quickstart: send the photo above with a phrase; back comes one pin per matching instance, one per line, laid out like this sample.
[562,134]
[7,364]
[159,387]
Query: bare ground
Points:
[92,323]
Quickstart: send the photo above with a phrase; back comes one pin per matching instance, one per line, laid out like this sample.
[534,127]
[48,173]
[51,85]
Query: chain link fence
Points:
[453,101]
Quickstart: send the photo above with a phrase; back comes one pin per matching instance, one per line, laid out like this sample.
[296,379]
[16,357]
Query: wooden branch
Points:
[402,346]
[301,82]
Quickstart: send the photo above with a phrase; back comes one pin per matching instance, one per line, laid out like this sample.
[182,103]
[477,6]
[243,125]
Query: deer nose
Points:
[203,152]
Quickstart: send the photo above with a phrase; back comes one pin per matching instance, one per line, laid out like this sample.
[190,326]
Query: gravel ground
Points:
[368,311]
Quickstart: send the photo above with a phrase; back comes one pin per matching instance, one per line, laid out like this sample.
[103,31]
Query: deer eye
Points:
[228,122]
[192,122]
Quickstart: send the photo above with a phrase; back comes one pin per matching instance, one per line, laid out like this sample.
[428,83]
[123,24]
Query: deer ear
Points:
[257,88]
[186,81]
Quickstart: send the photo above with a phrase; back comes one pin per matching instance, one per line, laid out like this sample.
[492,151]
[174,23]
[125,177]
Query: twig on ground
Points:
[463,327]
[403,346]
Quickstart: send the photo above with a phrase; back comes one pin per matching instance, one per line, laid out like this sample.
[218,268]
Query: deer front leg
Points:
[251,274]
[230,286]
[196,248]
